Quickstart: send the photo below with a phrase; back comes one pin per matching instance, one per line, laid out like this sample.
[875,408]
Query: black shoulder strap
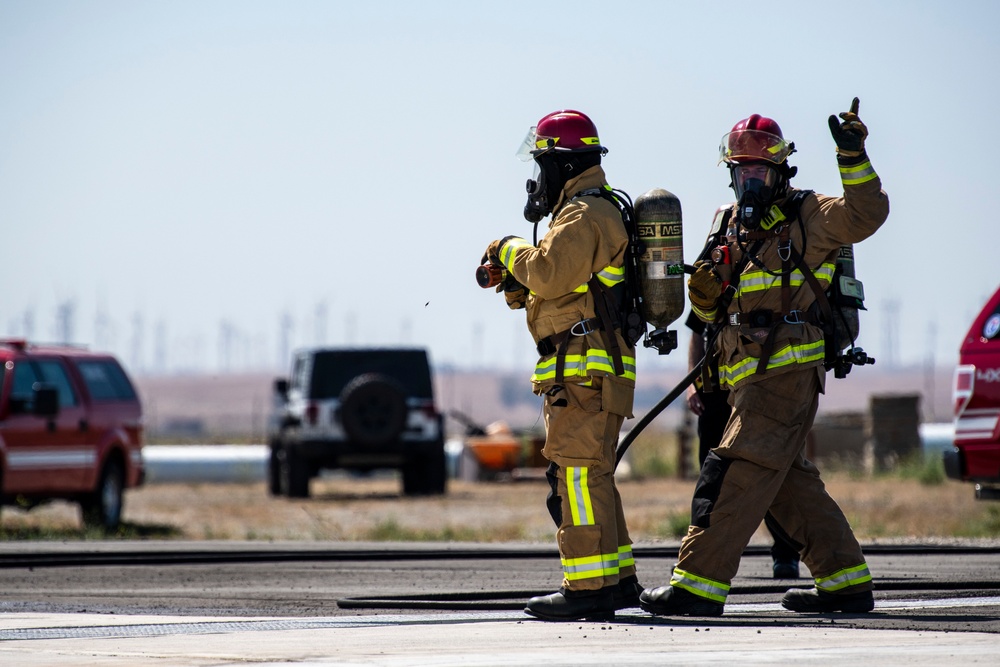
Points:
[796,204]
[632,308]
[715,234]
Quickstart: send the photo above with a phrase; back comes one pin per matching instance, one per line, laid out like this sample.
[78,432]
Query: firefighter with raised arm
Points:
[568,284]
[771,356]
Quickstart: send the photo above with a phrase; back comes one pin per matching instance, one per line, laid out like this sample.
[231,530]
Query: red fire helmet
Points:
[565,130]
[754,138]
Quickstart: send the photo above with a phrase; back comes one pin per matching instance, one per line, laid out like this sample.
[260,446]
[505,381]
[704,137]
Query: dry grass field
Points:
[889,509]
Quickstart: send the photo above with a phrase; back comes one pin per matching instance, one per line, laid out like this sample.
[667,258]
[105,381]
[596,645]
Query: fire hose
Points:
[656,410]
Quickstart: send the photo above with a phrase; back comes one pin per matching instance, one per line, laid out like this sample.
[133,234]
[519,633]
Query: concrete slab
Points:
[472,639]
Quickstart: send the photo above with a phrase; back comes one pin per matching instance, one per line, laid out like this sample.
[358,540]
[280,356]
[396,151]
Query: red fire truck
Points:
[976,393]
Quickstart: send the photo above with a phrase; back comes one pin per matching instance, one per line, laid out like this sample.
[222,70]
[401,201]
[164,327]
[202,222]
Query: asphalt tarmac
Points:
[224,603]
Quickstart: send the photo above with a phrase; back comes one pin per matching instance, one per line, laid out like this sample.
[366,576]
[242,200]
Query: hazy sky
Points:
[187,178]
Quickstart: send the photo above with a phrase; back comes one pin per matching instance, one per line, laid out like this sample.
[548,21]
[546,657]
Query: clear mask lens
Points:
[756,178]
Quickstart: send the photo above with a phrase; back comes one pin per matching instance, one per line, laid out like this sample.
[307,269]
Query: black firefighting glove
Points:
[849,134]
[704,286]
[514,292]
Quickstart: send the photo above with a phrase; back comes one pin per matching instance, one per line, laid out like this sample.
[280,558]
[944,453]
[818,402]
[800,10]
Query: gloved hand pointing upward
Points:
[849,134]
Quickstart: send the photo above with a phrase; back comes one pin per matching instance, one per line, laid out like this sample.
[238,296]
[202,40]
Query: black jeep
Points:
[357,409]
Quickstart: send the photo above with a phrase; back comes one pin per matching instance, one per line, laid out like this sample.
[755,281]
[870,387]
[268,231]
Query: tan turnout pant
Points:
[760,466]
[581,437]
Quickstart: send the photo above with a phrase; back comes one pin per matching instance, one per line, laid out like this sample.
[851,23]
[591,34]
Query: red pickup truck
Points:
[976,393]
[70,428]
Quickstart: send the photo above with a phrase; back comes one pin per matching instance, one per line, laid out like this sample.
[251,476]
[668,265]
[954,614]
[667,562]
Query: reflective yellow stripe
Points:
[851,576]
[596,361]
[544,143]
[715,591]
[590,567]
[857,174]
[704,315]
[609,275]
[625,557]
[509,251]
[579,496]
[757,281]
[789,354]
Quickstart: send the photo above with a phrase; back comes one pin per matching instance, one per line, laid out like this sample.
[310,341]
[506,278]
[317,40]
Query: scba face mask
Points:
[543,189]
[756,187]
[760,179]
[537,206]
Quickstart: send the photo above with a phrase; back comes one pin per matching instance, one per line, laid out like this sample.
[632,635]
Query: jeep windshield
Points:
[333,369]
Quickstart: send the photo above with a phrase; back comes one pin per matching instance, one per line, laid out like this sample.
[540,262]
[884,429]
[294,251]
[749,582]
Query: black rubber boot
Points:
[565,605]
[674,601]
[626,593]
[786,568]
[813,601]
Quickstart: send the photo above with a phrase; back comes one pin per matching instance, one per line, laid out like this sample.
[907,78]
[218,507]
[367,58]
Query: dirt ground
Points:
[353,509]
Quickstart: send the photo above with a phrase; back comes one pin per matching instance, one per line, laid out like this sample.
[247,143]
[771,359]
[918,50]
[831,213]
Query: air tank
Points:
[848,299]
[659,226]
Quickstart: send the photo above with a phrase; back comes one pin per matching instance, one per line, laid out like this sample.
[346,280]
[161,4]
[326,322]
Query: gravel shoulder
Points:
[373,509]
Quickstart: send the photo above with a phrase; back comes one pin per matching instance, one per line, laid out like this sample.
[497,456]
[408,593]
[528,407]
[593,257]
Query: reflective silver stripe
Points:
[851,576]
[857,174]
[625,557]
[596,361]
[611,275]
[789,354]
[599,360]
[590,567]
[716,591]
[546,370]
[47,459]
[579,496]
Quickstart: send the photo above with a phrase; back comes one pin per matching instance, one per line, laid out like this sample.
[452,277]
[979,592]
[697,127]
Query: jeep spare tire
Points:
[373,409]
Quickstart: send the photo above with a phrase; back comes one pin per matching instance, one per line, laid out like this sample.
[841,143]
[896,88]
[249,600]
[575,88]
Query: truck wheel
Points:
[373,409]
[103,509]
[436,471]
[293,474]
[413,479]
[274,471]
[428,475]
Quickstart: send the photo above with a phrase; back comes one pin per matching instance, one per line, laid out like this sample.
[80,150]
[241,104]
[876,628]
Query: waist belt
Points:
[767,318]
[550,344]
[605,323]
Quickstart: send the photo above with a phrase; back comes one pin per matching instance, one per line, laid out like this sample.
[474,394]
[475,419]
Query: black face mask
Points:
[543,193]
[537,206]
[752,205]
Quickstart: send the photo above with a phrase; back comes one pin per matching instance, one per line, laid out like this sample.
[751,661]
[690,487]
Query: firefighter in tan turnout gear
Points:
[586,371]
[782,245]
